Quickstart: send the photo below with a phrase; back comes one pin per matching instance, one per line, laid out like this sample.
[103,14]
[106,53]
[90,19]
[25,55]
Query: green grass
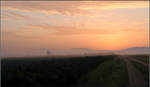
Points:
[112,73]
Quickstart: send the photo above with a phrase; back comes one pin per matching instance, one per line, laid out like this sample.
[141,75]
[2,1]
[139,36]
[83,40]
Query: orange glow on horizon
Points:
[95,25]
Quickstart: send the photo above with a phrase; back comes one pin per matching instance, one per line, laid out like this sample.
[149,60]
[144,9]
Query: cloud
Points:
[70,8]
[15,35]
[7,14]
[114,5]
[71,30]
[44,7]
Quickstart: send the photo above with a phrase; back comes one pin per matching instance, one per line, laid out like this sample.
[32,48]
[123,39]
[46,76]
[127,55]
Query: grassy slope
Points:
[112,73]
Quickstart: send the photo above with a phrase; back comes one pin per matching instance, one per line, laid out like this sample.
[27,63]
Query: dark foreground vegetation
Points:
[86,71]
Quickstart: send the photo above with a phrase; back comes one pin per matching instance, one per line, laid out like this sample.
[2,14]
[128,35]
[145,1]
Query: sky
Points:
[111,25]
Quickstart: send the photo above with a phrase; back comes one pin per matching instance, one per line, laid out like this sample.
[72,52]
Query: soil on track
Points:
[145,64]
[136,78]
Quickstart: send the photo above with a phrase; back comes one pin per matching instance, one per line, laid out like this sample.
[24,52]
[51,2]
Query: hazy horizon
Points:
[98,25]
[38,52]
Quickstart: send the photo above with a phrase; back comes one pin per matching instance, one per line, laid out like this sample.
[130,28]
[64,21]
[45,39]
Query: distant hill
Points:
[134,50]
[86,51]
[78,51]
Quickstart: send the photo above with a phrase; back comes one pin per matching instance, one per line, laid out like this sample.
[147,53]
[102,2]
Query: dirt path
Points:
[145,64]
[135,77]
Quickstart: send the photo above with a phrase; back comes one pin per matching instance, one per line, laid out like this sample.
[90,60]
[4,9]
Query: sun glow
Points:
[96,25]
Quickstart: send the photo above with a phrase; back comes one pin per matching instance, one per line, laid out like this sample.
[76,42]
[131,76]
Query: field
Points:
[85,71]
